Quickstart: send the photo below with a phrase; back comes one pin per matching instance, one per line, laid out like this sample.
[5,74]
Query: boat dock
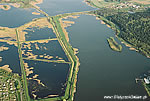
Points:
[137,79]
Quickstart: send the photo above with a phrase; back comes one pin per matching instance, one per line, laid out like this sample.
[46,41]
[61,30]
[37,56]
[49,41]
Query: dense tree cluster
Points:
[134,27]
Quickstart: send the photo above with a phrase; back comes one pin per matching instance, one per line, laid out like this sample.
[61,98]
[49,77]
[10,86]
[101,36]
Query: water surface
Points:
[52,48]
[39,33]
[52,75]
[54,7]
[10,57]
[16,17]
[103,71]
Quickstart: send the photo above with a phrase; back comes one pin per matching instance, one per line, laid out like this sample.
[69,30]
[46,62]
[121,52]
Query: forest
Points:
[134,27]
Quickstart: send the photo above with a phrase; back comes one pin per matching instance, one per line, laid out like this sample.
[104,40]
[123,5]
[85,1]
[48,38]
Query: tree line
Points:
[134,27]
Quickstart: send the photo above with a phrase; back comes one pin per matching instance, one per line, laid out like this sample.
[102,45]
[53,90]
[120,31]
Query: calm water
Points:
[53,48]
[10,57]
[53,75]
[16,17]
[54,7]
[39,33]
[103,71]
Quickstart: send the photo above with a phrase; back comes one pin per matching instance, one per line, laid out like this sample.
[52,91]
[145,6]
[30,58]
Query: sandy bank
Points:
[39,23]
[6,67]
[5,7]
[7,33]
[17,5]
[2,48]
[65,24]
[36,13]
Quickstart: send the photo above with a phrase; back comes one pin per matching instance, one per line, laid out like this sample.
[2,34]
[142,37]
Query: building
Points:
[146,81]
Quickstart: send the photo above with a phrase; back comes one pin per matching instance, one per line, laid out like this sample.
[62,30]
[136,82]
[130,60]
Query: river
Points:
[104,72]
[54,7]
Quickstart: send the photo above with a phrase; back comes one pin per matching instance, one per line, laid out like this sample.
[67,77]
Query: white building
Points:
[146,81]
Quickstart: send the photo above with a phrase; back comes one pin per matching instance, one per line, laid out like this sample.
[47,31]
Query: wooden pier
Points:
[137,79]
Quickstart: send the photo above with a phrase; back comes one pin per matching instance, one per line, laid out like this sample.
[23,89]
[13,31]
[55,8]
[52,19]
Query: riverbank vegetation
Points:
[72,78]
[114,45]
[132,27]
[20,3]
[5,7]
[147,88]
[130,20]
[19,36]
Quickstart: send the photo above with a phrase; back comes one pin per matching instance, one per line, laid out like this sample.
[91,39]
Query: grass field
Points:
[145,2]
[102,3]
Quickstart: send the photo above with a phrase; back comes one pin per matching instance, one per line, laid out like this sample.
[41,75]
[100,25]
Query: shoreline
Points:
[5,7]
[87,3]
[7,68]
[67,23]
[70,89]
[91,4]
[109,25]
[58,27]
[114,45]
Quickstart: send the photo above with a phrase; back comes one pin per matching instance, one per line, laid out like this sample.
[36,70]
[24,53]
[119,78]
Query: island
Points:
[114,45]
[130,21]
